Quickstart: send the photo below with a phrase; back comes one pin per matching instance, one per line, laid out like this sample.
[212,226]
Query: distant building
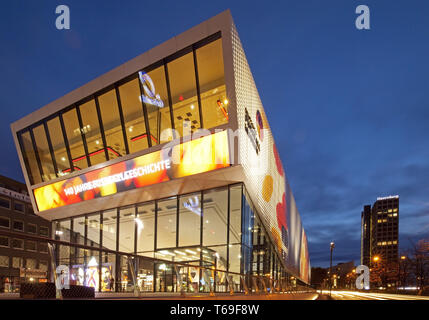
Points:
[20,259]
[380,225]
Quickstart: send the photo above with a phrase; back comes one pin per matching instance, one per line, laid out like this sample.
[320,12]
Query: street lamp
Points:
[330,268]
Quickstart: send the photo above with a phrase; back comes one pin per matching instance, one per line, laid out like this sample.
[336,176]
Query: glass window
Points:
[91,128]
[74,137]
[30,246]
[166,223]
[18,244]
[112,124]
[31,228]
[18,225]
[62,231]
[58,145]
[109,229]
[145,227]
[134,120]
[93,235]
[4,222]
[190,219]
[108,264]
[181,74]
[43,247]
[214,103]
[44,231]
[215,217]
[4,241]
[127,225]
[44,153]
[79,230]
[17,262]
[30,209]
[235,214]
[5,203]
[31,263]
[234,258]
[4,261]
[43,265]
[155,97]
[17,206]
[29,154]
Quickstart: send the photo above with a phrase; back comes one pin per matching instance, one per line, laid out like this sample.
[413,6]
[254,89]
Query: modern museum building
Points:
[165,171]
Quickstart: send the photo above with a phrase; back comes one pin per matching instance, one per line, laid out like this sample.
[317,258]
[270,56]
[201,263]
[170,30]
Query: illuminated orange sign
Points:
[192,157]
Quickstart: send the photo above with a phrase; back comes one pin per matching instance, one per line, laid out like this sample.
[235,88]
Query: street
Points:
[356,295]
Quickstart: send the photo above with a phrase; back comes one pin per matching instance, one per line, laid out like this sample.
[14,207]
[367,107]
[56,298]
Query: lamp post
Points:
[330,268]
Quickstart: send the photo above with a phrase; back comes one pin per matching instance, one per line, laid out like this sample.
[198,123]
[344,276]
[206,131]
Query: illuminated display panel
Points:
[192,157]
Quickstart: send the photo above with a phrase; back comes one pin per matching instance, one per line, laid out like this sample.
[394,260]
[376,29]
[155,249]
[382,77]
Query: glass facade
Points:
[218,229]
[170,99]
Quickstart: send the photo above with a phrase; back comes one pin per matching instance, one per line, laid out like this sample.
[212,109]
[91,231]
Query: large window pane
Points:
[112,124]
[155,97]
[28,152]
[44,153]
[58,145]
[214,103]
[133,115]
[91,128]
[235,214]
[109,229]
[215,217]
[190,220]
[93,236]
[181,73]
[145,227]
[127,225]
[78,236]
[74,137]
[166,223]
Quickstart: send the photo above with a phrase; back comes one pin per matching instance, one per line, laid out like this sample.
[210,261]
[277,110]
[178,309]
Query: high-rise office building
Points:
[380,225]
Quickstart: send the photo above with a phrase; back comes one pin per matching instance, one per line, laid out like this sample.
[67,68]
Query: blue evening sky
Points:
[349,108]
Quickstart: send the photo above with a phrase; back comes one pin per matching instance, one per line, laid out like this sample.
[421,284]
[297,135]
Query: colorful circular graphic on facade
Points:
[278,161]
[267,188]
[260,123]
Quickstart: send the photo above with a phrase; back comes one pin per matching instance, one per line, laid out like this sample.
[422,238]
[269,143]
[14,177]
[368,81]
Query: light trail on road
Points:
[357,295]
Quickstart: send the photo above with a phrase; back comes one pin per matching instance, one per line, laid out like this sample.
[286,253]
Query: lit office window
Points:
[109,229]
[235,214]
[214,102]
[181,74]
[145,227]
[166,223]
[112,124]
[44,153]
[127,225]
[215,217]
[155,97]
[31,263]
[4,261]
[17,262]
[134,120]
[91,129]
[74,137]
[190,219]
[58,145]
[93,235]
[29,154]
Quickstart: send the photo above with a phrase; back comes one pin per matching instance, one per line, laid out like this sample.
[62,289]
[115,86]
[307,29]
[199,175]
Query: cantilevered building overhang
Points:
[180,119]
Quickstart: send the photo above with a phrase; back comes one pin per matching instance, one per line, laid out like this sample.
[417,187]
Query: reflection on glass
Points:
[235,258]
[58,145]
[112,124]
[157,105]
[166,224]
[132,109]
[127,225]
[28,152]
[145,227]
[214,103]
[74,137]
[235,214]
[109,229]
[91,129]
[108,263]
[44,153]
[189,219]
[215,222]
[181,74]
[78,236]
[93,235]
